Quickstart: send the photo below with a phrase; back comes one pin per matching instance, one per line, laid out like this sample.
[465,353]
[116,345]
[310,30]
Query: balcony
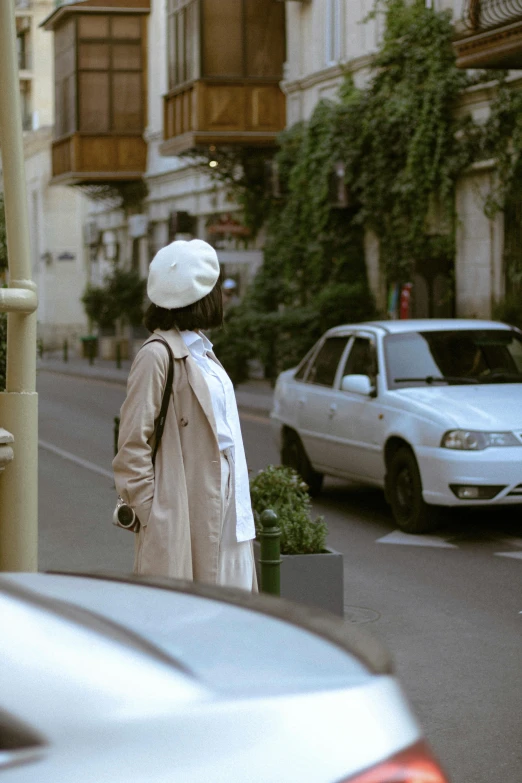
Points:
[225,63]
[490,35]
[81,158]
[236,112]
[100,91]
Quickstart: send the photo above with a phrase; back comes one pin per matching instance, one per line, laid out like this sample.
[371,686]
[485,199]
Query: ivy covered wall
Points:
[402,144]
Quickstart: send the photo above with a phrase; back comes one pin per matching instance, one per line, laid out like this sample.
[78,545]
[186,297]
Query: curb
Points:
[95,376]
[119,380]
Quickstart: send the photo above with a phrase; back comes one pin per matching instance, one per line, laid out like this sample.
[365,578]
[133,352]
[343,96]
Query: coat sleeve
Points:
[132,465]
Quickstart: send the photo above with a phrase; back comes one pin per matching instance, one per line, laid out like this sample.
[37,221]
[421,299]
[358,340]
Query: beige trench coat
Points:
[179,502]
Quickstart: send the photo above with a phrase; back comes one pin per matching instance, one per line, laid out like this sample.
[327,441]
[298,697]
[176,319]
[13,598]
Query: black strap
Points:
[159,424]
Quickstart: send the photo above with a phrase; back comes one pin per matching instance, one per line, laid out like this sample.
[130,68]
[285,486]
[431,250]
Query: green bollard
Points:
[116,433]
[118,356]
[65,350]
[270,559]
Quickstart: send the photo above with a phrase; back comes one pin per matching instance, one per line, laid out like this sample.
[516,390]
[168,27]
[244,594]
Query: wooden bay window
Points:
[225,62]
[100,91]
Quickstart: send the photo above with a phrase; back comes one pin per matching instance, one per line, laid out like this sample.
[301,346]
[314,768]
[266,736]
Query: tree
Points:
[121,299]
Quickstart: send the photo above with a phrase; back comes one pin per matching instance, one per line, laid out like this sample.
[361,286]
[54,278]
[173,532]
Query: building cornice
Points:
[328,74]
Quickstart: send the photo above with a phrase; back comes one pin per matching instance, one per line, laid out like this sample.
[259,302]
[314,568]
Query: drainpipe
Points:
[19,403]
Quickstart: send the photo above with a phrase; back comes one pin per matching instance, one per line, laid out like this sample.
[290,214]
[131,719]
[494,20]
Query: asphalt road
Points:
[449,606]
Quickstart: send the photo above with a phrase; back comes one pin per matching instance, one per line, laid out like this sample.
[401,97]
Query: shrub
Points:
[98,307]
[233,344]
[509,311]
[121,297]
[282,490]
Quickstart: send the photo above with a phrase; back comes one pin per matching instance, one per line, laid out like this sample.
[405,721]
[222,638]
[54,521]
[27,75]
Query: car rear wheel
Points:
[404,494]
[293,455]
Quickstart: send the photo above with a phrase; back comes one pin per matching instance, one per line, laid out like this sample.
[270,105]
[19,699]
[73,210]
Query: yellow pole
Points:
[19,403]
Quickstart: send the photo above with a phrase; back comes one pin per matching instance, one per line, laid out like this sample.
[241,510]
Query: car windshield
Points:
[455,357]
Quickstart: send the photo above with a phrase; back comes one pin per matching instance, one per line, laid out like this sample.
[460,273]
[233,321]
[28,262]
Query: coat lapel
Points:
[194,376]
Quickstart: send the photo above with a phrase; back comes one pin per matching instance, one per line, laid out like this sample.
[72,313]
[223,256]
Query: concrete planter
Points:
[315,580]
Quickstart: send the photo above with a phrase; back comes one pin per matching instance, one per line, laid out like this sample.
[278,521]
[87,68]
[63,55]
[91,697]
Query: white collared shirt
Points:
[228,427]
[219,384]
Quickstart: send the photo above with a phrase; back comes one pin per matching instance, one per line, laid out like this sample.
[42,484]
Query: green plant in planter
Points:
[283,491]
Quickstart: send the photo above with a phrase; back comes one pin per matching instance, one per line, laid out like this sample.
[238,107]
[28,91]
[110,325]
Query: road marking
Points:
[77,460]
[406,539]
[514,555]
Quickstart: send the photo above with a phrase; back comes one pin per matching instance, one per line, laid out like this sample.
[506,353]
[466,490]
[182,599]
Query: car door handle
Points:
[332,410]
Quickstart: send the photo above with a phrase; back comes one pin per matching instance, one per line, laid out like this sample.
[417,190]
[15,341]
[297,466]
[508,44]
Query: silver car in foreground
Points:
[139,681]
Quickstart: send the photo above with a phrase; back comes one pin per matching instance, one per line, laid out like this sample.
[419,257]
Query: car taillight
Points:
[413,765]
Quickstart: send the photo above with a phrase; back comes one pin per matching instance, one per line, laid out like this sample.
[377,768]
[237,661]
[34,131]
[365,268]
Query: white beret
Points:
[182,273]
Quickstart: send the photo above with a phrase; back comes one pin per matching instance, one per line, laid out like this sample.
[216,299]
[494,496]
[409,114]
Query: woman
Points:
[193,504]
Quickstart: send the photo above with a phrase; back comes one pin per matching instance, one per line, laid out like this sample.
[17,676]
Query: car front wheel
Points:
[404,494]
[293,455]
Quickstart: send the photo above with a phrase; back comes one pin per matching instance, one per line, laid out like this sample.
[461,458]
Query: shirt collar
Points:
[197,342]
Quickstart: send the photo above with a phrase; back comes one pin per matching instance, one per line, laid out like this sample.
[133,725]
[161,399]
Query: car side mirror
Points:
[358,384]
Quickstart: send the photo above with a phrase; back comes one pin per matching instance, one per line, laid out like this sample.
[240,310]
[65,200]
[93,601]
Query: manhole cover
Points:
[359,614]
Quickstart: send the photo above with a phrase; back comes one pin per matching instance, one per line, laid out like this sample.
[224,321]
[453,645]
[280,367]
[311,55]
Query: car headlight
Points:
[471,440]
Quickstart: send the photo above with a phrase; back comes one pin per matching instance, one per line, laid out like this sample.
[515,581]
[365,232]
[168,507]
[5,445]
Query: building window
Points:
[234,39]
[25,104]
[333,32]
[107,95]
[182,31]
[110,79]
[22,46]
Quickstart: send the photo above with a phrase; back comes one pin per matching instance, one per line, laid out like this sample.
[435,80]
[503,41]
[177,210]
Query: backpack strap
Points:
[159,424]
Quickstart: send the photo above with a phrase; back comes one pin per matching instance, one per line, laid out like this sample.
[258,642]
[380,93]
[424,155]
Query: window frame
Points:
[334,385]
[195,41]
[175,10]
[373,341]
[306,361]
[333,36]
[111,41]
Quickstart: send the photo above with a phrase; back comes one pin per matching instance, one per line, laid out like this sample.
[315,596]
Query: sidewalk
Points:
[254,395]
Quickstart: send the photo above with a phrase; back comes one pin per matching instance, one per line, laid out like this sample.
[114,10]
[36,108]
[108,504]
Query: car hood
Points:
[481,406]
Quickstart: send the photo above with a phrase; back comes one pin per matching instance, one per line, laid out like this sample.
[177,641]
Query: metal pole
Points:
[19,403]
[270,559]
[118,355]
[65,350]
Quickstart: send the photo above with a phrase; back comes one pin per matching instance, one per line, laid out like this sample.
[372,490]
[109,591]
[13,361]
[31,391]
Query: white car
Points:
[136,681]
[429,410]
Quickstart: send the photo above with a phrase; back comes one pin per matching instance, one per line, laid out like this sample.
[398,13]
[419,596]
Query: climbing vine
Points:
[403,143]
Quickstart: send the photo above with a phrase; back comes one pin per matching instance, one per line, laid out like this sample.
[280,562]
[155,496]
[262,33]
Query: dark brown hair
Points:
[206,313]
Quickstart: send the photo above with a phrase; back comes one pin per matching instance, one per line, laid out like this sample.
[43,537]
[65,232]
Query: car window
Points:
[453,357]
[324,367]
[303,364]
[361,360]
